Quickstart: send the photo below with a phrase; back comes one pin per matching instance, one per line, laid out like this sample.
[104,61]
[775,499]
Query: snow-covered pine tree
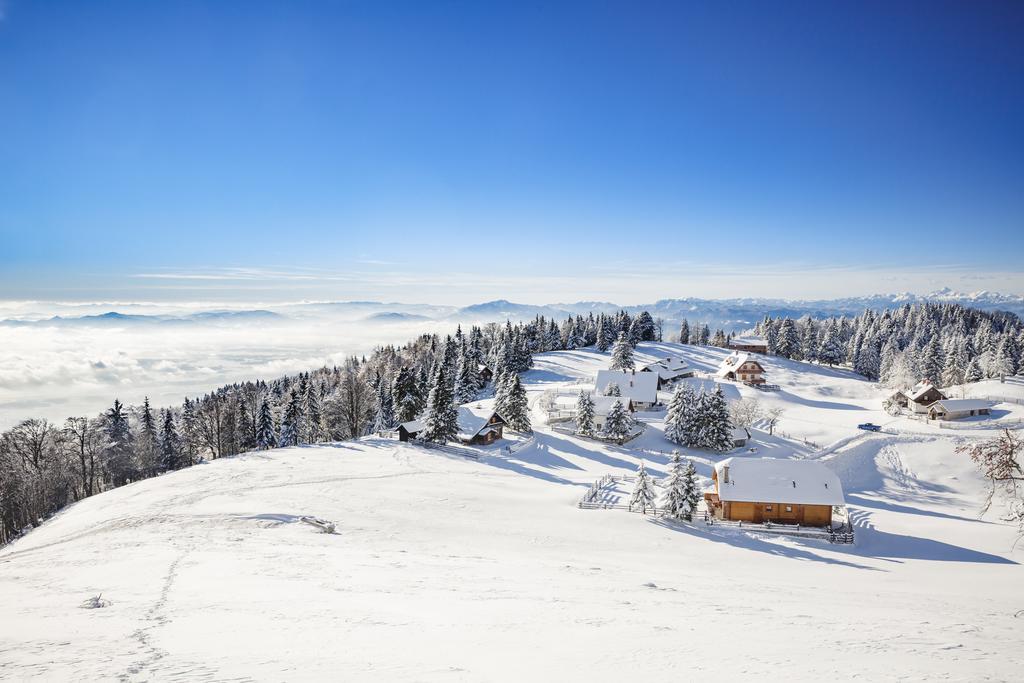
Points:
[831,350]
[603,336]
[291,421]
[719,339]
[612,389]
[691,491]
[676,505]
[442,423]
[618,422]
[1002,360]
[170,445]
[119,452]
[315,428]
[148,443]
[771,336]
[189,432]
[675,419]
[622,354]
[788,343]
[684,332]
[384,418]
[643,492]
[517,410]
[467,381]
[716,427]
[584,413]
[932,360]
[705,335]
[265,436]
[405,395]
[955,364]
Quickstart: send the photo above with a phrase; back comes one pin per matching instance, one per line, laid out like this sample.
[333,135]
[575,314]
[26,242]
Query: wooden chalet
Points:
[479,425]
[760,490]
[741,367]
[955,409]
[918,399]
[749,344]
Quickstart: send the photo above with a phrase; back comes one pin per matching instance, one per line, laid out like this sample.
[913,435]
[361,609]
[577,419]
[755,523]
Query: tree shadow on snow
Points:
[905,509]
[873,542]
[748,541]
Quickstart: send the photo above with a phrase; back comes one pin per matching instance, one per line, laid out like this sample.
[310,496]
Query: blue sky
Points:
[454,151]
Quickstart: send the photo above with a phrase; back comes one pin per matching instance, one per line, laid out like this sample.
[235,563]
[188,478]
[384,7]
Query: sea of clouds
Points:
[77,365]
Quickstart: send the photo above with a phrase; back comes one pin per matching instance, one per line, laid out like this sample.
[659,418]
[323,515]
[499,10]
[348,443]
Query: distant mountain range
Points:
[728,314]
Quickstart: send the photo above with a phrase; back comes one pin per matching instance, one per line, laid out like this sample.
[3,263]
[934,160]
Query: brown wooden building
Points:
[775,490]
[749,344]
[741,367]
[918,399]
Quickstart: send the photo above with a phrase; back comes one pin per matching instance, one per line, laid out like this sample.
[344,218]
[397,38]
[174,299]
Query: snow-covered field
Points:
[444,568]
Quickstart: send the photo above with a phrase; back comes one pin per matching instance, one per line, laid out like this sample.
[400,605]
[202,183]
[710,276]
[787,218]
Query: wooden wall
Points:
[810,515]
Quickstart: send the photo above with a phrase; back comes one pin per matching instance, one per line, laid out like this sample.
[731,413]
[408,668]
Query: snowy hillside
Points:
[446,568]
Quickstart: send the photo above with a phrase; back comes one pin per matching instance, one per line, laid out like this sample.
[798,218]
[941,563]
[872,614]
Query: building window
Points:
[767,508]
[789,508]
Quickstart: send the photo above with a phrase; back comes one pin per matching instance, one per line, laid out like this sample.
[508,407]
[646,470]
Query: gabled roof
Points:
[668,368]
[955,405]
[473,418]
[668,363]
[738,433]
[734,360]
[603,404]
[774,480]
[920,389]
[642,387]
[413,426]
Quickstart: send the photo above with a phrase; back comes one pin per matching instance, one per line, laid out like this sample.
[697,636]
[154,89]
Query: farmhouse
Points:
[668,369]
[639,387]
[603,405]
[741,367]
[954,409]
[479,425]
[774,490]
[749,344]
[919,398]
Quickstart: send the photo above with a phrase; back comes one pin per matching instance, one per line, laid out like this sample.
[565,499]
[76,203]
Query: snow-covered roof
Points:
[603,404]
[774,480]
[738,433]
[735,360]
[920,389]
[747,341]
[642,387]
[956,405]
[668,363]
[668,368]
[473,417]
[413,426]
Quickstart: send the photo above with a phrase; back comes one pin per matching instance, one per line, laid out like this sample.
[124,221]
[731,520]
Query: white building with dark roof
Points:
[640,387]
